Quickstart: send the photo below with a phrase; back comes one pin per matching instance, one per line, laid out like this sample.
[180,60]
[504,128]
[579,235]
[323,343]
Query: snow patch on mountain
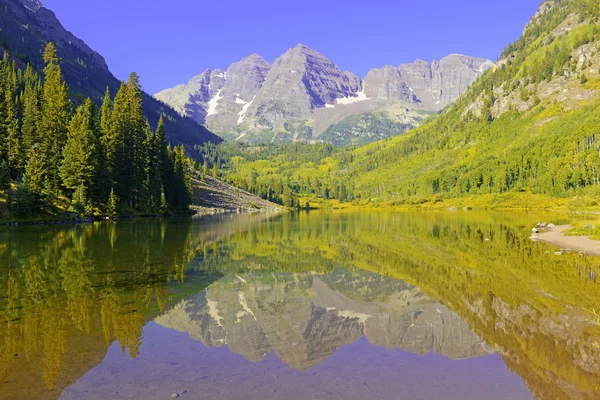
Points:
[360,96]
[238,100]
[242,113]
[213,103]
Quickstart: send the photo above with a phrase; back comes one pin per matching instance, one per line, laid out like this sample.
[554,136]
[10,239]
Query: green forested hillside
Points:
[363,129]
[531,124]
[93,161]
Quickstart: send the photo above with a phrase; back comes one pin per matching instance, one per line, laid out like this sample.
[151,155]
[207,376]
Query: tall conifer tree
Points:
[55,117]
[79,165]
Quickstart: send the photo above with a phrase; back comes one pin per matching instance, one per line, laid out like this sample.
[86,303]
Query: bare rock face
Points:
[244,80]
[428,86]
[300,81]
[387,84]
[304,93]
[193,99]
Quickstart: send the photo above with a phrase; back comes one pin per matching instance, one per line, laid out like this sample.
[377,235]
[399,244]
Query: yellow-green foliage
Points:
[515,293]
[548,151]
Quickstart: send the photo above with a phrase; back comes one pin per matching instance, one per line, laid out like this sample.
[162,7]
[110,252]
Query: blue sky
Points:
[169,41]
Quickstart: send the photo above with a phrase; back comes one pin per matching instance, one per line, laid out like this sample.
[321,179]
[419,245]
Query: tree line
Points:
[89,159]
[281,173]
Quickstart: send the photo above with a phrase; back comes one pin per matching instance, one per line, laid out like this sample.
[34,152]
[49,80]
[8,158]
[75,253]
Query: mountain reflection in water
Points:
[456,305]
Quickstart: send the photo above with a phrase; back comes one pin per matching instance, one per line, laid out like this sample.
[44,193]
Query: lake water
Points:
[320,305]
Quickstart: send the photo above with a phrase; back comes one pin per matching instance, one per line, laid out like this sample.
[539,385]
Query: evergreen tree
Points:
[5,66]
[4,175]
[164,206]
[154,170]
[137,140]
[31,116]
[182,179]
[21,201]
[79,200]
[54,119]
[35,172]
[111,206]
[14,145]
[80,161]
[118,147]
[99,158]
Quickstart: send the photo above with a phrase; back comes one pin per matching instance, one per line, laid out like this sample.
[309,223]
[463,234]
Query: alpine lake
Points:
[308,305]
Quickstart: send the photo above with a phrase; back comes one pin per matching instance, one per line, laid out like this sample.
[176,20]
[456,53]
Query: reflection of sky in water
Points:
[171,362]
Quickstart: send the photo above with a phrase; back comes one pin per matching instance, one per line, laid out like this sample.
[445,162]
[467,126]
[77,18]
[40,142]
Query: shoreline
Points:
[194,211]
[555,236]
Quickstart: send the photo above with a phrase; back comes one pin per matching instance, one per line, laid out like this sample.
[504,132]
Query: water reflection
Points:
[304,318]
[300,287]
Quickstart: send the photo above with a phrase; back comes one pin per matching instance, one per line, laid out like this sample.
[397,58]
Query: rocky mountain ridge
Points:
[303,94]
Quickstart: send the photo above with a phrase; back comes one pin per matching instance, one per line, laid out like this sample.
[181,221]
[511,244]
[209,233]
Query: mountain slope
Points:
[530,124]
[25,28]
[304,94]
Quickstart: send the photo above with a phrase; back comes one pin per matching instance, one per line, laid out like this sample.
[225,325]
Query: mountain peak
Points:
[303,93]
[254,58]
[303,49]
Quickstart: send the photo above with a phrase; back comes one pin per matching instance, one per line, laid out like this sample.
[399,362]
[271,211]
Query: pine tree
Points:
[87,153]
[147,198]
[137,139]
[117,148]
[165,164]
[164,206]
[34,179]
[3,107]
[182,179]
[14,145]
[4,175]
[55,117]
[111,206]
[154,170]
[79,199]
[169,187]
[79,165]
[31,117]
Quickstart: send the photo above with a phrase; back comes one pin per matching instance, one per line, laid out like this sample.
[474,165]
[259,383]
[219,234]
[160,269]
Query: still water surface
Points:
[297,306]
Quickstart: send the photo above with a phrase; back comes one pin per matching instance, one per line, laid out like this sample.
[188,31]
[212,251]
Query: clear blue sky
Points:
[169,41]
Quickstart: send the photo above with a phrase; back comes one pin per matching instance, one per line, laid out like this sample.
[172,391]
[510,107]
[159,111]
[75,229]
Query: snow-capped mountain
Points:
[303,94]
